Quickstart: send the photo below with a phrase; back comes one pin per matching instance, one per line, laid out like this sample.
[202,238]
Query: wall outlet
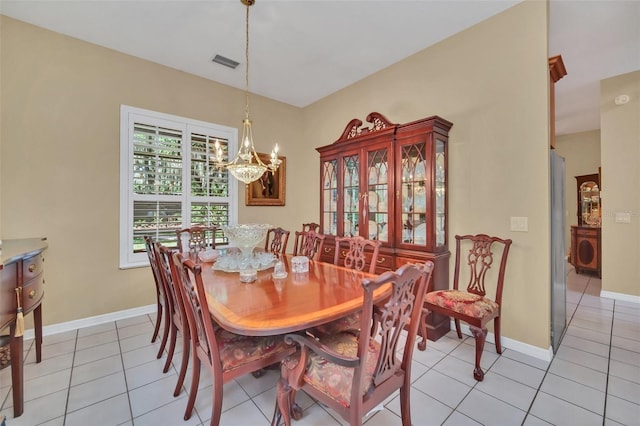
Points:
[519,224]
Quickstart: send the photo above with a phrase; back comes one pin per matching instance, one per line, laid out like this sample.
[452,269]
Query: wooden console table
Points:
[21,267]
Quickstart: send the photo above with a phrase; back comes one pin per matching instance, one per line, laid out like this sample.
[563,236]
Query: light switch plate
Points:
[519,224]
[623,217]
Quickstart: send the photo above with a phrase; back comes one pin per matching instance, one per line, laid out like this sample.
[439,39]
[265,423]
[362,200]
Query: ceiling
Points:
[304,50]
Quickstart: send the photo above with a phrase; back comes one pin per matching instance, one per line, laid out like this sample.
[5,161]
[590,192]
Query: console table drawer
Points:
[32,267]
[32,293]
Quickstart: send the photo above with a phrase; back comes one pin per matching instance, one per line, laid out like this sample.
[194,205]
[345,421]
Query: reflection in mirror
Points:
[590,203]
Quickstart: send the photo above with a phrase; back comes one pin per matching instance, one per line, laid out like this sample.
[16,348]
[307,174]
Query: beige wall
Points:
[60,107]
[61,102]
[581,152]
[620,131]
[491,82]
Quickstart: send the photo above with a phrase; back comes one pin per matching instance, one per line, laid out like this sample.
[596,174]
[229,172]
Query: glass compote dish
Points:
[246,236]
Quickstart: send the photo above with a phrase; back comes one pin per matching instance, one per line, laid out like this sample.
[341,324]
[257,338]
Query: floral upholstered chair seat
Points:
[236,350]
[462,302]
[348,324]
[335,380]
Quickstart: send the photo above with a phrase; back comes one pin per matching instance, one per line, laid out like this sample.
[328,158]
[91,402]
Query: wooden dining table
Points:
[270,306]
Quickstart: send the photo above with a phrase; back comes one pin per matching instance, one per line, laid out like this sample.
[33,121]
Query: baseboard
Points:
[524,348]
[90,321]
[515,345]
[620,296]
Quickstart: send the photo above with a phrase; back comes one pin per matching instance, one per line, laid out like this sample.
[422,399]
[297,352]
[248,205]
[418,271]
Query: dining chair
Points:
[472,305]
[351,253]
[355,254]
[178,315]
[308,244]
[352,374]
[196,238]
[276,241]
[311,226]
[227,355]
[163,314]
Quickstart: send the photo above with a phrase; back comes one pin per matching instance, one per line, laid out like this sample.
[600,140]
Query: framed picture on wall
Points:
[269,190]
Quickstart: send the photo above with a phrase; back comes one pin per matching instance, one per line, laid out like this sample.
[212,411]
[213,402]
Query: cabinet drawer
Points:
[582,232]
[327,254]
[32,293]
[32,267]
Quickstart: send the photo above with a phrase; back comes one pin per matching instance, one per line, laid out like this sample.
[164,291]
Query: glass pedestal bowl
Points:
[245,236]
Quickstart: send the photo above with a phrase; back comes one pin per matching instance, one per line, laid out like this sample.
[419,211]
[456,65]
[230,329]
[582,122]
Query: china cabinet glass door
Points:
[351,195]
[330,197]
[441,196]
[414,194]
[376,197]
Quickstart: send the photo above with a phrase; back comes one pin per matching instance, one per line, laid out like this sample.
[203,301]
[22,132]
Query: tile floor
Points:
[109,375]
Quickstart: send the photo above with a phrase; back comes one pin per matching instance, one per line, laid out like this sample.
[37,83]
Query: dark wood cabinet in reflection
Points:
[586,256]
[585,249]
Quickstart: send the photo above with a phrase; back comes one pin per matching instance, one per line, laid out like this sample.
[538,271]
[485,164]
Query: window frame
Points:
[129,115]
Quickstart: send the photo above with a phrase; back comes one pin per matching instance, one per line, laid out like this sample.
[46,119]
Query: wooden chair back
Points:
[163,315]
[311,226]
[309,244]
[354,256]
[178,314]
[331,367]
[196,238]
[276,241]
[479,259]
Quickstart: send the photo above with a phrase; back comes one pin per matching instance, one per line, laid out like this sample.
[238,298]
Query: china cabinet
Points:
[388,182]
[586,236]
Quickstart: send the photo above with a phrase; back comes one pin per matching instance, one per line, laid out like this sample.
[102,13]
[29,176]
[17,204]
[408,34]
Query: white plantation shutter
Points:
[168,180]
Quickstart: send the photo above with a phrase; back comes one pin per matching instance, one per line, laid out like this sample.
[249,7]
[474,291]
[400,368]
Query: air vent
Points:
[219,59]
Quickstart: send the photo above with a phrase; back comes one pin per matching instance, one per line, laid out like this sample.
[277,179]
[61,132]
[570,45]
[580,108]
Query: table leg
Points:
[37,325]
[17,371]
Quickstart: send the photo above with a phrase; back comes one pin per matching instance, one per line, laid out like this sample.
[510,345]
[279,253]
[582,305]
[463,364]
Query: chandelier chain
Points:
[246,70]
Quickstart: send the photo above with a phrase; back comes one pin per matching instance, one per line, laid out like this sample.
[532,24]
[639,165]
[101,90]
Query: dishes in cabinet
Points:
[373,201]
[420,203]
[383,235]
[373,230]
[383,175]
[420,234]
[347,230]
[420,172]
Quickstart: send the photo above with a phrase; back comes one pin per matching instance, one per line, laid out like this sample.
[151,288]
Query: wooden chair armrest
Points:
[307,342]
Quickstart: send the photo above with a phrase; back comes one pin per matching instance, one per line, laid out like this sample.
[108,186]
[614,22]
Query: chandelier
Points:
[246,166]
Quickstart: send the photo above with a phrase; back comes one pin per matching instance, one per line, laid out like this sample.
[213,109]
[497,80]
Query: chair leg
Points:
[422,345]
[216,409]
[405,404]
[480,335]
[158,321]
[172,347]
[283,404]
[185,362]
[165,333]
[458,330]
[496,333]
[195,381]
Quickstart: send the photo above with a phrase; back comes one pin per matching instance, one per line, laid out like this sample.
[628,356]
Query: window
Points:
[168,181]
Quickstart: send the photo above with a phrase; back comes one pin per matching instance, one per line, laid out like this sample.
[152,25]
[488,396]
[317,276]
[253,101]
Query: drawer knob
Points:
[32,267]
[32,294]
[327,250]
[380,260]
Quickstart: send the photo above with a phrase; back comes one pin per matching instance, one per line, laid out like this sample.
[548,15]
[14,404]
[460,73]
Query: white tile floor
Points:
[109,375]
